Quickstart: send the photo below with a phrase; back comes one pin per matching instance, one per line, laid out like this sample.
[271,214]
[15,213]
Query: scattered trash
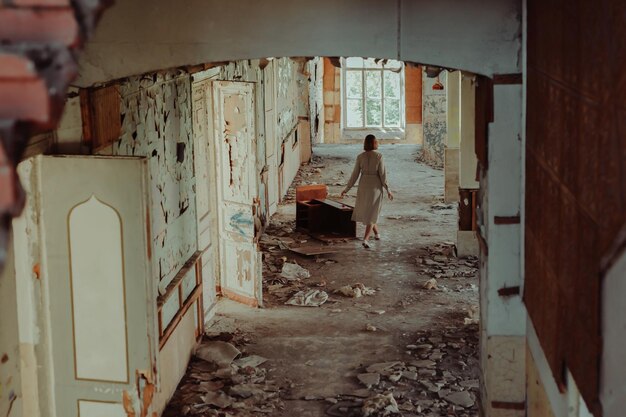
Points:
[431,284]
[218,399]
[218,352]
[310,298]
[380,405]
[240,388]
[370,328]
[473,315]
[355,291]
[294,271]
[252,360]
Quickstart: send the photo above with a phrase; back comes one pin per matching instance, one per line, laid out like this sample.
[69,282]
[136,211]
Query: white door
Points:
[271,153]
[96,267]
[234,126]
[206,191]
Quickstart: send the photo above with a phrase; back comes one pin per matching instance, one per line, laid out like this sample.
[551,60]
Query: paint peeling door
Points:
[96,272]
[234,115]
[270,136]
[206,190]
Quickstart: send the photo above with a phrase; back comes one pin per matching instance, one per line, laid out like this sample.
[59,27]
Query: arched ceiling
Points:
[138,36]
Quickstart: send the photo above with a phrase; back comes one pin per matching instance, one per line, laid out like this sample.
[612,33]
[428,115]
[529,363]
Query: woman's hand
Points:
[390,195]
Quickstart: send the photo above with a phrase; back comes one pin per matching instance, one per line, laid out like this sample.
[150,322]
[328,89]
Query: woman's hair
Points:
[370,143]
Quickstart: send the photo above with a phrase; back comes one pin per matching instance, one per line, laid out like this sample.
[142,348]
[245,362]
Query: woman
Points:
[369,198]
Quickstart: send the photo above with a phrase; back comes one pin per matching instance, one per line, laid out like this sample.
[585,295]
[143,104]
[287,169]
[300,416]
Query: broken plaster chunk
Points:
[218,352]
[219,399]
[382,366]
[424,363]
[371,328]
[411,375]
[469,384]
[460,398]
[369,379]
[252,361]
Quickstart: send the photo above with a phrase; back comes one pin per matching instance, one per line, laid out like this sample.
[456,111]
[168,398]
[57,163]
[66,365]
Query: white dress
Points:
[369,198]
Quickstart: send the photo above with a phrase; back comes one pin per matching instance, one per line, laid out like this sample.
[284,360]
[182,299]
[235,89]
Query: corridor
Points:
[316,355]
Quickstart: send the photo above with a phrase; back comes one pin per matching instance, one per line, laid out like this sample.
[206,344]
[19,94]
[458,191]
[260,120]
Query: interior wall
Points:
[132,39]
[434,118]
[316,99]
[11,400]
[156,124]
[576,171]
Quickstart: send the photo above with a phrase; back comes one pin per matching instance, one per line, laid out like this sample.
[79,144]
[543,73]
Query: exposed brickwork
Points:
[576,176]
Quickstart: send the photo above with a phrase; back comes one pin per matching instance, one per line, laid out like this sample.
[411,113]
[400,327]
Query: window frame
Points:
[382,132]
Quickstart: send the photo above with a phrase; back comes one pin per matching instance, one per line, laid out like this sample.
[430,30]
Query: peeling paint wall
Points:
[156,123]
[249,71]
[11,401]
[316,99]
[434,119]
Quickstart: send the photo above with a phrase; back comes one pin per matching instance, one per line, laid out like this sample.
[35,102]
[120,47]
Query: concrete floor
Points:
[316,352]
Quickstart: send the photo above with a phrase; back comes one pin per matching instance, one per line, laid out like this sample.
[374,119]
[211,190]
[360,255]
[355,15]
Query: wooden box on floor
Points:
[323,218]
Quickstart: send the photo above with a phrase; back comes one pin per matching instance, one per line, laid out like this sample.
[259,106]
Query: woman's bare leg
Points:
[368,232]
[375,229]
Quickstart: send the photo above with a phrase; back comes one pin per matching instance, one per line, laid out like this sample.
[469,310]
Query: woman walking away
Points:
[369,197]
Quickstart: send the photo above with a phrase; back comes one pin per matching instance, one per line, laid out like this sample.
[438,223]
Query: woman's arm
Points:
[382,174]
[354,177]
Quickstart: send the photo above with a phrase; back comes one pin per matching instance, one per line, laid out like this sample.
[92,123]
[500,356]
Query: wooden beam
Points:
[506,220]
[507,79]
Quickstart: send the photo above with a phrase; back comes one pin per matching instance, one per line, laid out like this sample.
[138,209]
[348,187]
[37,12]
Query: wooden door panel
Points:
[101,295]
[234,126]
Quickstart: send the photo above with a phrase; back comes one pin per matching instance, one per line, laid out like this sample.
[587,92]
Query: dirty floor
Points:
[419,322]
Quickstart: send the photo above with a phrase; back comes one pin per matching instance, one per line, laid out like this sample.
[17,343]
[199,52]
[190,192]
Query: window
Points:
[373,94]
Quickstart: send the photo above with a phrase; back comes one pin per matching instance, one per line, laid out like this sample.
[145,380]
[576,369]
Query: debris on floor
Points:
[431,284]
[294,271]
[440,262]
[355,291]
[380,405]
[473,315]
[215,385]
[310,298]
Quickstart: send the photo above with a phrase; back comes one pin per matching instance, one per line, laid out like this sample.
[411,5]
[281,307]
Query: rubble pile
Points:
[441,262]
[282,277]
[221,381]
[440,380]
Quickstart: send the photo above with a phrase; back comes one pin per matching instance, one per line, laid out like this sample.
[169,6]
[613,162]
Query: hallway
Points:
[315,354]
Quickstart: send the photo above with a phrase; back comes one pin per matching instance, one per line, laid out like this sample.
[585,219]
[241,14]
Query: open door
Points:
[96,268]
[234,115]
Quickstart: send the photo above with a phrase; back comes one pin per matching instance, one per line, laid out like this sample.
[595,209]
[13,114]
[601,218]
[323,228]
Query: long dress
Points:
[369,198]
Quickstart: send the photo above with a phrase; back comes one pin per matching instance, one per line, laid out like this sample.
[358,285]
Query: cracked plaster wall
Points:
[434,118]
[156,123]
